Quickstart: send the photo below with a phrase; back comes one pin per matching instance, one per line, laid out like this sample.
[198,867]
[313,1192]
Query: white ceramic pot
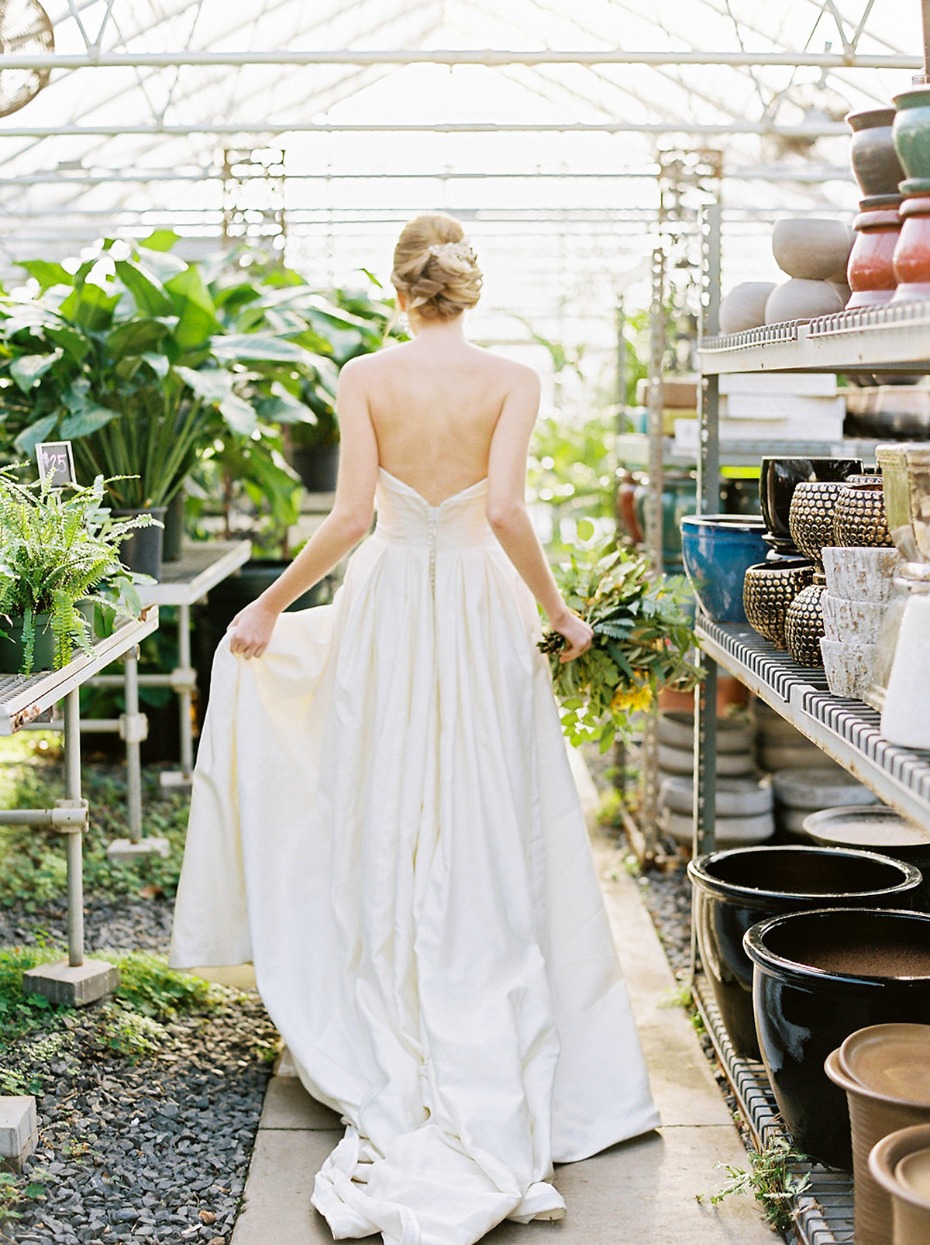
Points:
[799,299]
[729,831]
[735,797]
[848,666]
[811,247]
[681,761]
[906,708]
[860,574]
[858,621]
[744,307]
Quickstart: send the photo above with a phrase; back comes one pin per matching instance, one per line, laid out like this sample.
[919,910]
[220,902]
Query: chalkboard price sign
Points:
[56,462]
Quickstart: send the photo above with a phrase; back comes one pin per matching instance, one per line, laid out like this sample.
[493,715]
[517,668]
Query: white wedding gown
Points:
[384,822]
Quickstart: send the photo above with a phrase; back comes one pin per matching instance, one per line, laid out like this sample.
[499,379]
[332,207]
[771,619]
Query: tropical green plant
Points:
[643,642]
[141,359]
[59,547]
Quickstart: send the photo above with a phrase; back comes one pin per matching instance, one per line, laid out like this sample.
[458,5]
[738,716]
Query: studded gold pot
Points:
[810,519]
[804,626]
[768,590]
[859,517]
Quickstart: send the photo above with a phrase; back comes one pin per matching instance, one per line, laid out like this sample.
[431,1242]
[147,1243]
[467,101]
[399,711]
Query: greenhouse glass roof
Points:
[541,122]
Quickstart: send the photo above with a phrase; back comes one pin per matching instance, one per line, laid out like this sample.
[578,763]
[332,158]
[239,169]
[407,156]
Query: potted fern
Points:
[59,559]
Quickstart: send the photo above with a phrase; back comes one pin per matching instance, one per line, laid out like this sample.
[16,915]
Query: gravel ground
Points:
[154,1150]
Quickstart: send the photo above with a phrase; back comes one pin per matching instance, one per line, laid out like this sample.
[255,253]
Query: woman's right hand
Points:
[251,629]
[578,635]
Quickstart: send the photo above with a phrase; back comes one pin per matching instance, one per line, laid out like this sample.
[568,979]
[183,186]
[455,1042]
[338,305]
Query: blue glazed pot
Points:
[911,131]
[717,550]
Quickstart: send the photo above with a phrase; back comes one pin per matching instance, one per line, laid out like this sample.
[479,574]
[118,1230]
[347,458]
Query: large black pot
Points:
[735,889]
[142,550]
[317,466]
[224,602]
[820,976]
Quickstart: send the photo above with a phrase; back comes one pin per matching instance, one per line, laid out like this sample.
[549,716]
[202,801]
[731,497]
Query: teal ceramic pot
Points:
[911,131]
[717,550]
[679,498]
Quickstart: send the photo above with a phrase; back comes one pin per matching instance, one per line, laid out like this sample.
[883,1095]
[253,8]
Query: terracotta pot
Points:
[815,248]
[874,160]
[744,307]
[900,1164]
[911,131]
[912,252]
[871,271]
[819,976]
[800,299]
[859,517]
[879,1068]
[732,890]
[626,513]
[768,590]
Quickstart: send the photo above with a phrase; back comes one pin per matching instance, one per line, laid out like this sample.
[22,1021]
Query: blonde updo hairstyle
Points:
[436,268]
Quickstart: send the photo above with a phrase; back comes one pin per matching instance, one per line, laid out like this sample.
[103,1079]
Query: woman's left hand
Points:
[250,631]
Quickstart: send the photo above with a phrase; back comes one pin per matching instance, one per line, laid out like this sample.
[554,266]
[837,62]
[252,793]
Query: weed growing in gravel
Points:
[20,1013]
[769,1179]
[32,862]
[15,1191]
[125,1032]
[151,988]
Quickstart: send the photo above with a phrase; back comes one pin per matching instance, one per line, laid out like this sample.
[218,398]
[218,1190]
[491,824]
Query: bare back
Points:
[434,408]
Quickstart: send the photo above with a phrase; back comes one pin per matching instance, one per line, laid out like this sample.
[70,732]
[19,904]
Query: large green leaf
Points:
[29,369]
[283,408]
[158,363]
[74,344]
[213,384]
[90,307]
[160,240]
[257,346]
[196,313]
[150,296]
[89,419]
[30,437]
[136,337]
[239,414]
[46,272]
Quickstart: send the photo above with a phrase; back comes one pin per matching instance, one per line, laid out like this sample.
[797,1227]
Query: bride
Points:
[383,818]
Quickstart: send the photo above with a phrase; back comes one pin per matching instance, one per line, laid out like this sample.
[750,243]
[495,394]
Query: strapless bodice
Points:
[405,516]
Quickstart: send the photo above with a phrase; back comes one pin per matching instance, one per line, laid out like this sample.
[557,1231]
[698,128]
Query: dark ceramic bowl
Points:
[732,890]
[769,588]
[777,482]
[819,976]
[717,549]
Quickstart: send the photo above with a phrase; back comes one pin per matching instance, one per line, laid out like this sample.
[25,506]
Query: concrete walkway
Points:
[642,1192]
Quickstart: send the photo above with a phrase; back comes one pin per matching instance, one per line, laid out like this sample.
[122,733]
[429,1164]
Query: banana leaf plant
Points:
[142,360]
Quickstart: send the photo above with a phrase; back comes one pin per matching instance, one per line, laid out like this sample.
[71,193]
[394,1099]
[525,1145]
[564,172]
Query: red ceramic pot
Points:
[912,252]
[626,515]
[871,271]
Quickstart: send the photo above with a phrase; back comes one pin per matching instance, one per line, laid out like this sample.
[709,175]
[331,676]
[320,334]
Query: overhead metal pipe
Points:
[486,57]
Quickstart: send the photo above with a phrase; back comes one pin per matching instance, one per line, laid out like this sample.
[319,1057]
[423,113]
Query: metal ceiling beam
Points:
[488,57]
[824,130]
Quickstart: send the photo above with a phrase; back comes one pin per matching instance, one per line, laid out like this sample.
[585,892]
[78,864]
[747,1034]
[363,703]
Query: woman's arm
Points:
[508,516]
[340,531]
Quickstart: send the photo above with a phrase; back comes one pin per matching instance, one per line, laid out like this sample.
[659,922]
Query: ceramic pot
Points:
[173,538]
[819,976]
[810,516]
[679,497]
[874,828]
[858,621]
[880,1101]
[12,648]
[912,251]
[861,574]
[626,512]
[732,890]
[900,1164]
[892,461]
[744,307]
[871,273]
[848,665]
[717,549]
[741,495]
[812,247]
[804,624]
[142,552]
[875,162]
[911,131]
[859,517]
[676,729]
[800,299]
[768,590]
[778,478]
[918,487]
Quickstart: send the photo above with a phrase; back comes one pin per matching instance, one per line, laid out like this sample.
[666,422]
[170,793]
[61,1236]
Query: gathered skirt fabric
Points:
[384,822]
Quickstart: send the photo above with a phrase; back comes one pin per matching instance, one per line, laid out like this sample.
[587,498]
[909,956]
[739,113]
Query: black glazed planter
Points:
[732,890]
[819,976]
[778,479]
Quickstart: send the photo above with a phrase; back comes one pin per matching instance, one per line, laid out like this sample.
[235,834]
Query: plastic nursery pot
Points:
[717,549]
[12,648]
[883,1071]
[732,890]
[142,551]
[900,1164]
[819,976]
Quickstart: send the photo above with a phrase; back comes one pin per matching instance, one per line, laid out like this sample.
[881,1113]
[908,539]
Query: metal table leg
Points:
[75,864]
[185,691]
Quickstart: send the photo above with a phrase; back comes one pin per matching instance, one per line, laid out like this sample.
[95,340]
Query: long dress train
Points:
[384,822]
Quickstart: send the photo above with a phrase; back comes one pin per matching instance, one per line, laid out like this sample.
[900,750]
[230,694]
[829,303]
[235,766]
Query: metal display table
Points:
[22,700]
